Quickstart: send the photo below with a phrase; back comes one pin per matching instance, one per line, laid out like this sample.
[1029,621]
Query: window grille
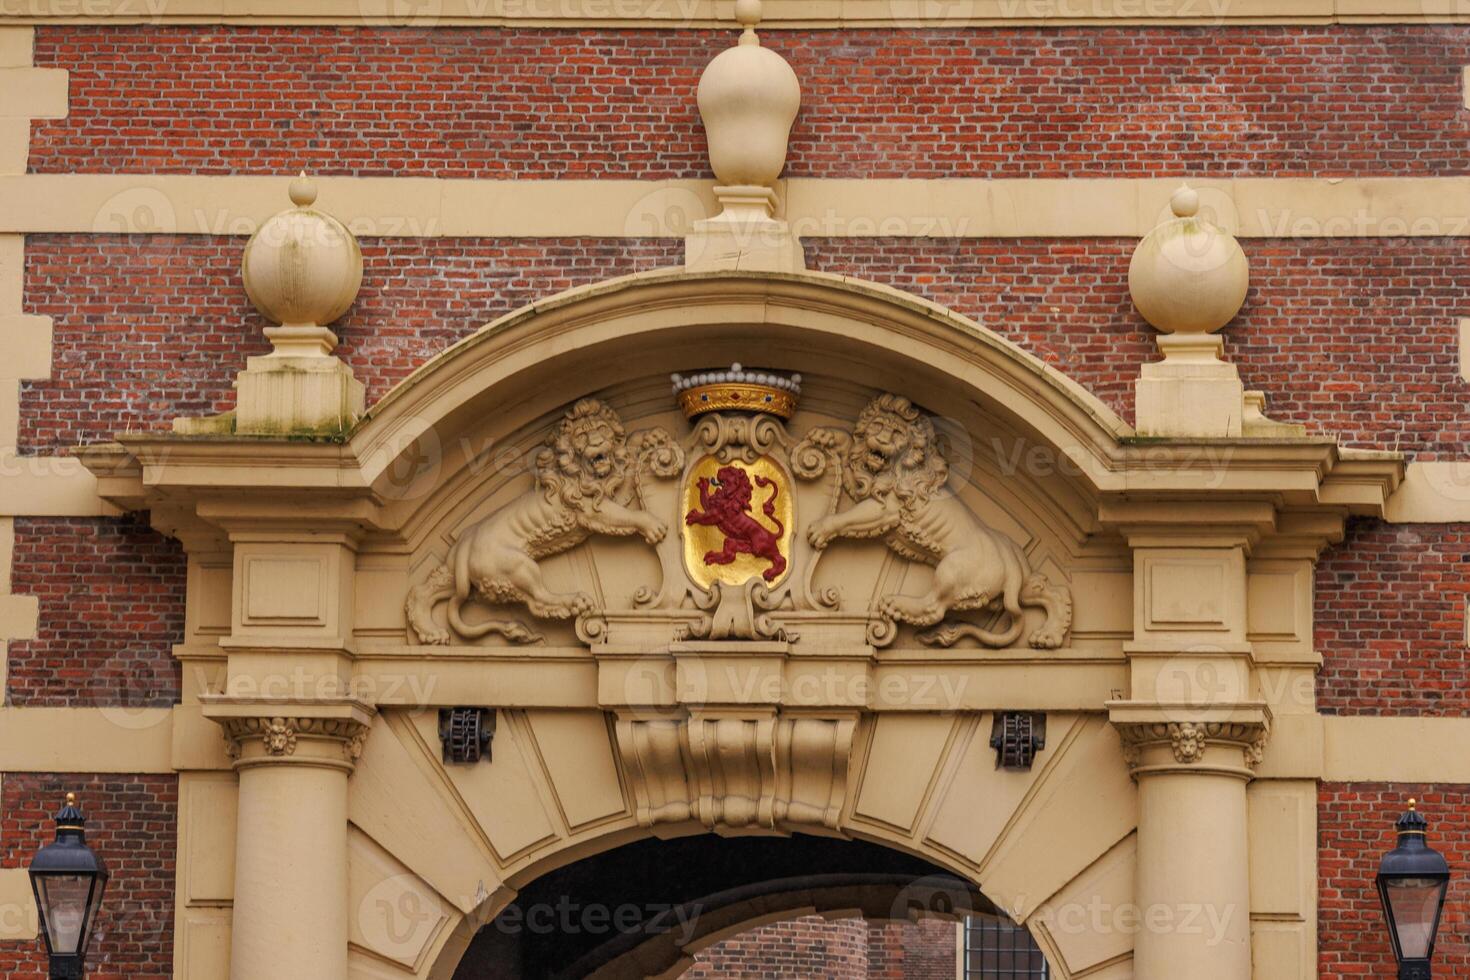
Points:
[996,949]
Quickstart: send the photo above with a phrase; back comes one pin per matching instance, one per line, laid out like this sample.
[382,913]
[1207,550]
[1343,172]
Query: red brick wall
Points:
[923,950]
[1390,620]
[131,823]
[1357,337]
[1354,831]
[1303,101]
[797,949]
[148,328]
[111,608]
[814,948]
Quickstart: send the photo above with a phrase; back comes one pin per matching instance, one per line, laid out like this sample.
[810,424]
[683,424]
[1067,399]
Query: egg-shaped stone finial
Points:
[302,268]
[748,98]
[1187,275]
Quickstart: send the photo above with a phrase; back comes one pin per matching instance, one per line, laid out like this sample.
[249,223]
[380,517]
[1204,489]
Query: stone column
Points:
[1193,883]
[1191,733]
[290,912]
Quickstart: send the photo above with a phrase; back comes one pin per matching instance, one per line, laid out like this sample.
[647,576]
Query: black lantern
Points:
[68,880]
[1412,881]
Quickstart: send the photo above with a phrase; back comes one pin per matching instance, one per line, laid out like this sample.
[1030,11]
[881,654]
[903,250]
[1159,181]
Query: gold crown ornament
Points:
[738,390]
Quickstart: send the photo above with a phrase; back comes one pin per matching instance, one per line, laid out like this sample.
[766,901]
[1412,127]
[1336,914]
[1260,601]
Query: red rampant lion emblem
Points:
[728,508]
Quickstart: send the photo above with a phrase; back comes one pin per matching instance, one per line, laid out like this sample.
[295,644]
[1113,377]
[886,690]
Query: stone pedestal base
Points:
[761,246]
[1191,393]
[287,395]
[744,236]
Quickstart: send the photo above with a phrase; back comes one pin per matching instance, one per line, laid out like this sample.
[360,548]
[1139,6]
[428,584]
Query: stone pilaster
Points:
[294,732]
[1192,732]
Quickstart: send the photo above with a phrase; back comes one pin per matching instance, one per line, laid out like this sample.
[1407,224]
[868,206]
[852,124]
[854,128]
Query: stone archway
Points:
[1186,565]
[1022,843]
[646,908]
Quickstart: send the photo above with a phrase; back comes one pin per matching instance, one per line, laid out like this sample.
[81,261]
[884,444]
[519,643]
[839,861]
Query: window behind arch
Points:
[997,949]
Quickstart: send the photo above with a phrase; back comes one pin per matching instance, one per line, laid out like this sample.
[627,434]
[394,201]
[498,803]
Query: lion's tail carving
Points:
[947,634]
[1057,601]
[1038,592]
[770,506]
[444,585]
[421,601]
[511,629]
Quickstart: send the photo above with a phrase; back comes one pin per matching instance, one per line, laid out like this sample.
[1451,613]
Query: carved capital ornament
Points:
[1193,744]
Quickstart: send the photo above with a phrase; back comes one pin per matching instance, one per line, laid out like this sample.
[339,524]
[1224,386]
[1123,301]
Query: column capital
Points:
[260,731]
[1218,739]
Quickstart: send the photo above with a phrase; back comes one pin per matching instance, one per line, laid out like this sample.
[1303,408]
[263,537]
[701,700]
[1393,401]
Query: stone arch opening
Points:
[642,909]
[923,800]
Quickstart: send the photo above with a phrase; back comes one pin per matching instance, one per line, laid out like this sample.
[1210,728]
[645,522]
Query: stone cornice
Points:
[1154,485]
[955,207]
[669,15]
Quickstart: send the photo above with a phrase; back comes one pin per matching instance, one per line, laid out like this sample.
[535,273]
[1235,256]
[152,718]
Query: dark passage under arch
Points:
[630,911]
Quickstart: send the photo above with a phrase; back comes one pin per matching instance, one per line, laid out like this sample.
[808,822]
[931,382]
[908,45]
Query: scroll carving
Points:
[894,470]
[588,481]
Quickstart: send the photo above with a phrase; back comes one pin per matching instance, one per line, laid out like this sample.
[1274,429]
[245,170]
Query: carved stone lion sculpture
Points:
[894,470]
[586,483]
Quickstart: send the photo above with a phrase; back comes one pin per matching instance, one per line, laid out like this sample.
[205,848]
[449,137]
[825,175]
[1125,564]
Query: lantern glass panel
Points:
[1415,906]
[91,925]
[64,900]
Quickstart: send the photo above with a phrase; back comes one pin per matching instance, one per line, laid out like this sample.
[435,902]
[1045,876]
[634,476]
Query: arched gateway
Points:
[963,545]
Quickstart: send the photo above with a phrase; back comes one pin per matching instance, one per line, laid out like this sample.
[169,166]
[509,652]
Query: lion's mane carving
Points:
[587,477]
[893,469]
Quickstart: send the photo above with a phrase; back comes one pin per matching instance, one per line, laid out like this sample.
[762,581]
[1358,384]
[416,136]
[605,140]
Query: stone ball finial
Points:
[748,98]
[748,15]
[302,268]
[1187,275]
[303,191]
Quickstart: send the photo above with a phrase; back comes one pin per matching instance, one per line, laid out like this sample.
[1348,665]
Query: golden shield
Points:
[738,522]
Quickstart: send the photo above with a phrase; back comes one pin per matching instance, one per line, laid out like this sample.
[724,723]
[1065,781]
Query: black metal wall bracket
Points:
[466,733]
[1016,737]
